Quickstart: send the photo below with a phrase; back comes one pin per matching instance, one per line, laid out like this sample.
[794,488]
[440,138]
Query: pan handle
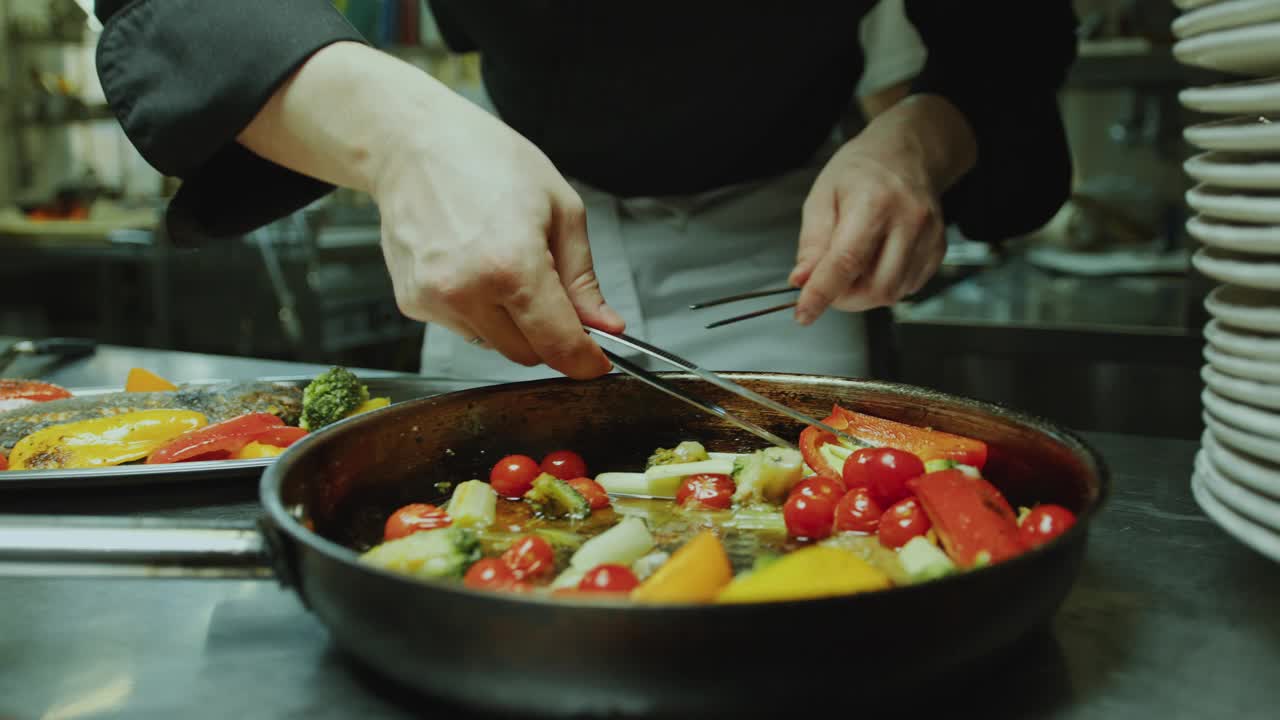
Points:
[78,546]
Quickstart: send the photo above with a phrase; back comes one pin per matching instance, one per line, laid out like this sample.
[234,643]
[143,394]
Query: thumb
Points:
[571,252]
[817,224]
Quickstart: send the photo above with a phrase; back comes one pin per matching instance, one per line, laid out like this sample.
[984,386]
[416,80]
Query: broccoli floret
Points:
[686,452]
[330,397]
[552,497]
[443,552]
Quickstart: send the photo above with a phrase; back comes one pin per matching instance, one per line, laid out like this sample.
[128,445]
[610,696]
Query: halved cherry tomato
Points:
[596,495]
[513,475]
[489,574]
[877,432]
[33,390]
[809,517]
[282,436]
[857,512]
[564,464]
[819,486]
[708,490]
[218,441]
[530,558]
[1044,523]
[414,517]
[901,522]
[609,578]
[884,471]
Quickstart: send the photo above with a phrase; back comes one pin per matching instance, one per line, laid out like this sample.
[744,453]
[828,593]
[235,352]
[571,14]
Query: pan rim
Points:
[285,521]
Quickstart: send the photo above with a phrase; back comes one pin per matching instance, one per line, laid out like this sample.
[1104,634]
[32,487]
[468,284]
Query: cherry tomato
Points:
[1044,523]
[530,558]
[708,490]
[489,574]
[809,517]
[904,520]
[819,485]
[591,490]
[564,464]
[609,577]
[413,518]
[884,471]
[513,475]
[857,512]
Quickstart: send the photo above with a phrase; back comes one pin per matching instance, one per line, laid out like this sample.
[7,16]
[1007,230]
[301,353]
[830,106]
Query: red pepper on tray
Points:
[4,462]
[974,522]
[33,390]
[223,440]
[924,443]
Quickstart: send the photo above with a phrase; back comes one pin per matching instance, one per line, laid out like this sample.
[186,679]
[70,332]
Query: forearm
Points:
[929,130]
[342,115]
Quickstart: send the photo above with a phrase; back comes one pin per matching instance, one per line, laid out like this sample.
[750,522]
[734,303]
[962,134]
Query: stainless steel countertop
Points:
[1170,618]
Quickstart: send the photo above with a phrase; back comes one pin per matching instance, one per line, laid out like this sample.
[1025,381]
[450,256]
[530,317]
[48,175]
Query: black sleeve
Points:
[184,77]
[1002,63]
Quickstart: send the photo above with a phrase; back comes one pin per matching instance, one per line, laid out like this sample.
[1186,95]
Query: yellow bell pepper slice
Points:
[256,449]
[810,572]
[696,572]
[104,441]
[370,404]
[143,380]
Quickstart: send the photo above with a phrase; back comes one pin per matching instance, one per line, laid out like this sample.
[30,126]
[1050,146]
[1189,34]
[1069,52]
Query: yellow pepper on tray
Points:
[104,441]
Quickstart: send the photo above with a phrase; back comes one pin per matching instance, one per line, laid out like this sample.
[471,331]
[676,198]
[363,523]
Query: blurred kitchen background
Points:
[1095,320]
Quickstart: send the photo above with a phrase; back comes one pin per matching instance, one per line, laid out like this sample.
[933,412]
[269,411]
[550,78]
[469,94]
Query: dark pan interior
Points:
[346,487]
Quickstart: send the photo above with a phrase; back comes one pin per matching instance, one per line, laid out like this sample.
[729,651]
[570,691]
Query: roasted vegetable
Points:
[686,452]
[439,553]
[874,431]
[103,441]
[623,544]
[218,441]
[974,523]
[766,475]
[810,572]
[473,504]
[143,380]
[694,573]
[331,396]
[552,497]
[922,560]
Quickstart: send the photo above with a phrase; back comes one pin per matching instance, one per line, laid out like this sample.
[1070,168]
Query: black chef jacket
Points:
[650,98]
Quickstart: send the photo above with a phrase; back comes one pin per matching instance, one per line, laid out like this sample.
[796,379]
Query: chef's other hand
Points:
[872,229]
[480,233]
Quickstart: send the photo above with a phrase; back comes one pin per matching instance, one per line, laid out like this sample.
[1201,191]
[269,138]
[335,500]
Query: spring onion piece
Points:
[680,470]
[474,504]
[626,483]
[623,543]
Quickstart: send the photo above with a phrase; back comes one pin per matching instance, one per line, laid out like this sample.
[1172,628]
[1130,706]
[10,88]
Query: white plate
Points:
[1236,170]
[1231,204]
[1249,533]
[1265,371]
[1255,271]
[1259,95]
[1246,133]
[1254,420]
[1223,15]
[1246,308]
[1249,50]
[1192,4]
[1242,342]
[1257,507]
[1251,392]
[1239,237]
[1247,470]
[1241,439]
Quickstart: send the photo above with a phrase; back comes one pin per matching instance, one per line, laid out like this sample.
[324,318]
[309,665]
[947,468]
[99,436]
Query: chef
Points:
[623,161]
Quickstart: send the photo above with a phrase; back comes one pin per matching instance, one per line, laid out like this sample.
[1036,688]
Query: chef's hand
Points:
[480,233]
[872,229]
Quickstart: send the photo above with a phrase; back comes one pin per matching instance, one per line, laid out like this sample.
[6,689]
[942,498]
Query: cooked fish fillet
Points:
[217,402]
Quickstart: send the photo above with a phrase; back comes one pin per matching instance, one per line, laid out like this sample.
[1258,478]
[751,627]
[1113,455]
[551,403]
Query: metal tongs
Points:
[657,382]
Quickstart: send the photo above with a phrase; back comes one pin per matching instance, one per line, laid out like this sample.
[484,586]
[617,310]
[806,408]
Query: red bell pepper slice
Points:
[218,441]
[879,432]
[282,436]
[33,390]
[971,517]
[4,462]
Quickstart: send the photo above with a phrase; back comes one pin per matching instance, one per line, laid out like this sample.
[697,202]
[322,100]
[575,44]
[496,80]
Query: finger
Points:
[550,323]
[893,269]
[853,248]
[817,224]
[571,252]
[494,325]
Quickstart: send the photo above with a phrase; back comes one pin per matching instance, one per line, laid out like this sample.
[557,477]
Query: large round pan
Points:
[526,655]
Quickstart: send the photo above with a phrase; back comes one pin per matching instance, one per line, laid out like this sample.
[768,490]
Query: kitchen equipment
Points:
[67,348]
[571,656]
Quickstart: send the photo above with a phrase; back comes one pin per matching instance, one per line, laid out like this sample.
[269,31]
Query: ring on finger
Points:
[477,340]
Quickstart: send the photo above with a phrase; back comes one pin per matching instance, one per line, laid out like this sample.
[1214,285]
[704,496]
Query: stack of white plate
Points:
[1236,220]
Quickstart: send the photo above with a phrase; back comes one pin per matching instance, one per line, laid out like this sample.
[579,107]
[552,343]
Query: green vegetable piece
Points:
[441,553]
[686,452]
[554,498]
[330,397]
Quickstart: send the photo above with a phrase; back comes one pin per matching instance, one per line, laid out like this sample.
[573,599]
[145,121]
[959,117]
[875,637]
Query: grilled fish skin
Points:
[217,402]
